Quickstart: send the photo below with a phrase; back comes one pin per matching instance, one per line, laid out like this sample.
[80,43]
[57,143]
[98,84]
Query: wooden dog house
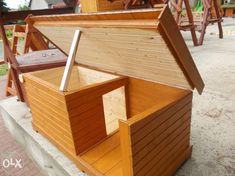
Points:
[127,109]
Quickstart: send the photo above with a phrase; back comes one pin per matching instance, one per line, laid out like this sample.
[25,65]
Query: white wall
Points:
[39,4]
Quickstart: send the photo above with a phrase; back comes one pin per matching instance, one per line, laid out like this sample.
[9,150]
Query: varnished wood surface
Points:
[151,139]
[128,41]
[181,49]
[93,114]
[164,118]
[101,5]
[123,51]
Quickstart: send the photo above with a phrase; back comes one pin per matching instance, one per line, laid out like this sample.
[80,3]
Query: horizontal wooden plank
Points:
[81,119]
[54,136]
[173,166]
[152,148]
[101,149]
[137,123]
[83,165]
[116,170]
[109,160]
[31,80]
[49,108]
[45,98]
[82,108]
[90,140]
[163,122]
[178,150]
[125,15]
[152,167]
[42,116]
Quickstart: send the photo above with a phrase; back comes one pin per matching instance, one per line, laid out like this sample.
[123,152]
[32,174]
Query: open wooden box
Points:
[127,110]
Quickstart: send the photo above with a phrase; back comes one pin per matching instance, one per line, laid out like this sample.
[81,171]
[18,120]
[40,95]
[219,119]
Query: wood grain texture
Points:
[152,137]
[158,135]
[118,31]
[130,52]
[101,5]
[181,49]
[94,113]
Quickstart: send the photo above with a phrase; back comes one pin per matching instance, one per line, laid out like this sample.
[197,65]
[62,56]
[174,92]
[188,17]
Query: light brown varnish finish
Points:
[131,123]
[135,43]
[159,118]
[101,5]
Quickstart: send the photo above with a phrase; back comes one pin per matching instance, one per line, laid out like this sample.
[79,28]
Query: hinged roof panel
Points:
[144,44]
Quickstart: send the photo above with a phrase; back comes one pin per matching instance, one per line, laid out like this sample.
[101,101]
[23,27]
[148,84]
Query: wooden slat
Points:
[176,163]
[124,15]
[118,49]
[116,170]
[158,134]
[181,76]
[172,151]
[109,160]
[168,118]
[143,95]
[60,124]
[46,97]
[101,149]
[43,85]
[143,161]
[146,145]
[125,141]
[152,112]
[55,137]
[49,108]
[83,165]
[99,88]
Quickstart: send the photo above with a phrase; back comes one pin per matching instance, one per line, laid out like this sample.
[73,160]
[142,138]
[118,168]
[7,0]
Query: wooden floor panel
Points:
[106,156]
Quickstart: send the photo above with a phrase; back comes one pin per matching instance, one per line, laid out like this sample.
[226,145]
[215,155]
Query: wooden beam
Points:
[70,62]
[2,62]
[21,15]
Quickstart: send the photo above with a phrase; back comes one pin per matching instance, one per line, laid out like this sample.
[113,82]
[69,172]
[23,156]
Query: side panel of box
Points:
[87,123]
[49,114]
[160,142]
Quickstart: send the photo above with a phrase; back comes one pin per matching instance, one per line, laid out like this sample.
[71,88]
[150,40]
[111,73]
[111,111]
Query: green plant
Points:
[9,33]
[3,69]
[3,6]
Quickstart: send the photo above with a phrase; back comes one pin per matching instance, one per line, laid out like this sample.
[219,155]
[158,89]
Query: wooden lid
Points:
[143,44]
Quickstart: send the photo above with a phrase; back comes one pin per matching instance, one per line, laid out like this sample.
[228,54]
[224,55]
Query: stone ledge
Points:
[49,159]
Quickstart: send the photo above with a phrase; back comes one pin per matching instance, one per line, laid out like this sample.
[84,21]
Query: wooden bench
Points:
[27,61]
[127,107]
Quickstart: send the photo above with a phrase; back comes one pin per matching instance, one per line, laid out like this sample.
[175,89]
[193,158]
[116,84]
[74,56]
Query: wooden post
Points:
[191,26]
[207,19]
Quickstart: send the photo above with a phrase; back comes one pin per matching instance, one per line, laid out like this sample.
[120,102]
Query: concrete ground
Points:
[213,116]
